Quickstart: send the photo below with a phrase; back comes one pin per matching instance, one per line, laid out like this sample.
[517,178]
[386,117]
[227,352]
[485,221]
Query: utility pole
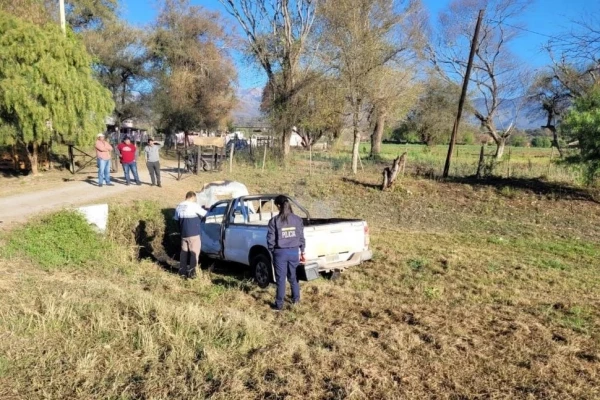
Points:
[463,94]
[63,24]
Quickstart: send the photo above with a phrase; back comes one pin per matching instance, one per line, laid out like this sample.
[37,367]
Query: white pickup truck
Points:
[235,230]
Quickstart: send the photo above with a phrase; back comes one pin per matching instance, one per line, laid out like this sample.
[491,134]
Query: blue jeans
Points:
[103,171]
[133,168]
[286,261]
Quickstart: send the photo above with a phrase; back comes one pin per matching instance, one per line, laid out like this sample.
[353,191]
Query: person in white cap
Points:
[103,149]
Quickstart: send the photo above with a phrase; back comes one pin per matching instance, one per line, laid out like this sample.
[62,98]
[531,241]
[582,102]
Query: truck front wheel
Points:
[261,269]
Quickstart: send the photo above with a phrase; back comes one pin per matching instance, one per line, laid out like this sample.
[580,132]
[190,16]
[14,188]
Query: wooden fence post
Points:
[481,164]
[71,159]
[198,159]
[231,156]
[310,160]
[508,163]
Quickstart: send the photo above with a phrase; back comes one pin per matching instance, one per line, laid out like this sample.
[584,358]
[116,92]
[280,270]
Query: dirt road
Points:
[18,208]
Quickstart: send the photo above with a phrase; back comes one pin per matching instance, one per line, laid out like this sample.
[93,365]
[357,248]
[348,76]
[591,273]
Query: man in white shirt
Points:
[189,214]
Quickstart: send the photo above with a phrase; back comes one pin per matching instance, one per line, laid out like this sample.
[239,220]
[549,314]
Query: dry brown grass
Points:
[476,292]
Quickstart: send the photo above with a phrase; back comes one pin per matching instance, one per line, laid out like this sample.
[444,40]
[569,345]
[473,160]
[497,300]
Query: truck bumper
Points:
[356,259]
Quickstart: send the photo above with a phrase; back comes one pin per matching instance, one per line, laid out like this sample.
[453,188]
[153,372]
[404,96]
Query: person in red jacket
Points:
[127,151]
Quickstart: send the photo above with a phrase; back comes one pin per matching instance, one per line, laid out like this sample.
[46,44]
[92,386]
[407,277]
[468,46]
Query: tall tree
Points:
[89,14]
[433,113]
[391,93]
[194,74]
[576,55]
[360,38]
[120,63]
[582,124]
[46,84]
[80,14]
[34,11]
[320,110]
[498,75]
[277,33]
[552,99]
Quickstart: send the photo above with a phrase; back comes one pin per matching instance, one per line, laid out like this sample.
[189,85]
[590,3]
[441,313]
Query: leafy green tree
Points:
[46,86]
[582,124]
[434,112]
[541,141]
[405,134]
[466,135]
[518,140]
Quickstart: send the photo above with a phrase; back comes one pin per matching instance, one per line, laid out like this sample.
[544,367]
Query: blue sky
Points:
[546,17]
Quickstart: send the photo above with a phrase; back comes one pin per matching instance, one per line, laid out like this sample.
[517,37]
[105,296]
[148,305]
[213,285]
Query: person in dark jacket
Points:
[285,239]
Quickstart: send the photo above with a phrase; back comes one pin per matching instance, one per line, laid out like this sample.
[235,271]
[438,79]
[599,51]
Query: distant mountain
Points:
[248,106]
[525,115]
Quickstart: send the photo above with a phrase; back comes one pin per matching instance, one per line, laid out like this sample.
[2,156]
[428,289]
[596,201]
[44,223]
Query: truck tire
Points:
[261,270]
[333,275]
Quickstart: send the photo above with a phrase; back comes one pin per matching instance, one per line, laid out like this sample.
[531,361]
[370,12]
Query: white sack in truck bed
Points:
[220,190]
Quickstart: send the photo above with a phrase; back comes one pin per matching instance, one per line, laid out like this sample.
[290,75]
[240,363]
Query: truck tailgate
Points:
[334,241]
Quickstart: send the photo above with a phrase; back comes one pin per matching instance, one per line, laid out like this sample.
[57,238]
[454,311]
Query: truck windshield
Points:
[220,209]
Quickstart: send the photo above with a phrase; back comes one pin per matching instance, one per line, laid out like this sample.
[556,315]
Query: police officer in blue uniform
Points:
[285,239]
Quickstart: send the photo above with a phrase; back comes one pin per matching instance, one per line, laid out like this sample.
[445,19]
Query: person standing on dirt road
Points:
[127,151]
[153,161]
[103,149]
[189,214]
[285,240]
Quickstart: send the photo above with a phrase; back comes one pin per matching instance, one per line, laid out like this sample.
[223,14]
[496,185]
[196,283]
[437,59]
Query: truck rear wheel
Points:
[261,270]
[333,275]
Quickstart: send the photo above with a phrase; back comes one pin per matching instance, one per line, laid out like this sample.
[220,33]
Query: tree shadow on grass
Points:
[533,185]
[363,184]
[231,276]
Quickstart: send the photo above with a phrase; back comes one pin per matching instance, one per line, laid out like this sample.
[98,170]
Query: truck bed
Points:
[325,221]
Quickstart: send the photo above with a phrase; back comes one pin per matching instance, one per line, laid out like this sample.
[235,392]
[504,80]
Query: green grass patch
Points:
[60,240]
[417,264]
[554,264]
[577,318]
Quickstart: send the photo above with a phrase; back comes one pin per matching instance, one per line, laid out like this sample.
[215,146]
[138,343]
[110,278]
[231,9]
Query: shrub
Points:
[468,137]
[61,240]
[518,141]
[541,141]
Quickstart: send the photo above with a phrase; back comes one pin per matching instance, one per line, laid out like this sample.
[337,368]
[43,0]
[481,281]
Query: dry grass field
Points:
[478,290]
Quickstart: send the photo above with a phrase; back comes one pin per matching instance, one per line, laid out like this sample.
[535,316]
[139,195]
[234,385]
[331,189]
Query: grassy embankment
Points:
[476,291]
